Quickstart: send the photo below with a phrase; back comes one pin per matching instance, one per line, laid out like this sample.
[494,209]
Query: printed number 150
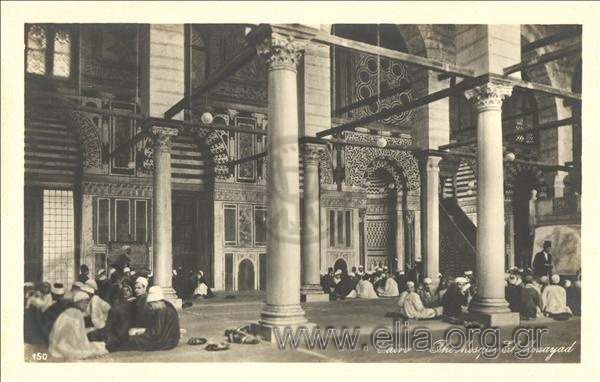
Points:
[39,356]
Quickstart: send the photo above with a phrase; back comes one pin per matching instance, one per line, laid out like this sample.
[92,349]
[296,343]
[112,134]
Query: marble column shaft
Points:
[490,198]
[161,211]
[311,256]
[431,216]
[283,207]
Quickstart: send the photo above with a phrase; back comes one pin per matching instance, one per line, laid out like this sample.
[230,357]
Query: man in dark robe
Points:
[513,292]
[327,282]
[103,285]
[84,273]
[116,331]
[455,299]
[530,300]
[161,331]
[542,261]
[343,285]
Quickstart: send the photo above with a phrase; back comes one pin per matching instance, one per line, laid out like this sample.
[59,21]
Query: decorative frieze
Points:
[117,189]
[238,195]
[344,201]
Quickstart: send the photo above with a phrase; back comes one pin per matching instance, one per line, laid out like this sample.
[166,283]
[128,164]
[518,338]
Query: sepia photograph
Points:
[361,191]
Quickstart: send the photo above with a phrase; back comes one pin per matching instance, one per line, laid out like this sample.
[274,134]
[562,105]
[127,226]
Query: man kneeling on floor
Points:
[161,331]
[412,306]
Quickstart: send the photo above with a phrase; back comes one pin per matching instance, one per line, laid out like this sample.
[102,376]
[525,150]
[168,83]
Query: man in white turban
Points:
[68,337]
[364,288]
[161,329]
[413,306]
[388,287]
[97,308]
[554,300]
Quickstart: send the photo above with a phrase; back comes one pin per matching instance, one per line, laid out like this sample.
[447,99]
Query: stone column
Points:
[161,213]
[489,304]
[400,256]
[430,213]
[311,255]
[282,307]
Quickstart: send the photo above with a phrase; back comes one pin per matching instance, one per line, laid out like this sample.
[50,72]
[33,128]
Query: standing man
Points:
[542,261]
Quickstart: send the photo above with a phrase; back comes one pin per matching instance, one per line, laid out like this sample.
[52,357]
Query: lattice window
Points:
[59,237]
[378,234]
[49,50]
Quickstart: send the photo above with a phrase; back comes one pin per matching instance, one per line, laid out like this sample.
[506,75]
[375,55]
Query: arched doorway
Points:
[246,275]
[341,265]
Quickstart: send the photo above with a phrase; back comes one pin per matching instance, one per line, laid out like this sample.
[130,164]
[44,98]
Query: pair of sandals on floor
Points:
[237,336]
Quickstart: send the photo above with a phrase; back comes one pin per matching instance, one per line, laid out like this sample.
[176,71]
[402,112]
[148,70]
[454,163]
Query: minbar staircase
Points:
[458,239]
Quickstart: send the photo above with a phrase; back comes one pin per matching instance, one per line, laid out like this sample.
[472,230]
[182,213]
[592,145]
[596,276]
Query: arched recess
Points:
[358,159]
[246,275]
[89,138]
[218,151]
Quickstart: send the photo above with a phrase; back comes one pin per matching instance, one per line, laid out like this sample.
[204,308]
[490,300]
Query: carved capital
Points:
[489,96]
[162,138]
[311,153]
[430,163]
[281,52]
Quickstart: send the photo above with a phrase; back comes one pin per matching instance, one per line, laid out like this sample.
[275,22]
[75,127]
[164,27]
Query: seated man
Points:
[412,307]
[388,287]
[530,300]
[140,306]
[455,300]
[161,331]
[97,309]
[116,331]
[554,301]
[513,292]
[68,337]
[343,286]
[364,288]
[327,281]
[428,298]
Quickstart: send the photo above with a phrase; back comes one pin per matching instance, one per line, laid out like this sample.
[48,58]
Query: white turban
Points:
[427,280]
[155,294]
[87,289]
[57,289]
[461,280]
[143,281]
[410,284]
[80,296]
[567,283]
[338,272]
[555,279]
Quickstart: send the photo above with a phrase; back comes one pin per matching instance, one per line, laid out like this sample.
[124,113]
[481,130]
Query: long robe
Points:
[554,300]
[413,307]
[162,329]
[389,289]
[68,338]
[364,289]
[453,301]
[530,301]
[98,311]
[116,331]
[428,299]
[401,301]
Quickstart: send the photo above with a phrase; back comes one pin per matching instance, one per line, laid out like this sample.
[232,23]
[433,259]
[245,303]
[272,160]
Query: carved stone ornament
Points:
[162,138]
[281,52]
[489,96]
[311,153]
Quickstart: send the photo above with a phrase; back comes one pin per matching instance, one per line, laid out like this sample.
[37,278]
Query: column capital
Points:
[281,51]
[489,96]
[311,152]
[162,137]
[430,163]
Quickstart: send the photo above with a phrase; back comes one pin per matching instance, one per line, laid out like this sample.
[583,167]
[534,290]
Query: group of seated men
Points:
[527,295]
[360,284]
[111,313]
[534,297]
